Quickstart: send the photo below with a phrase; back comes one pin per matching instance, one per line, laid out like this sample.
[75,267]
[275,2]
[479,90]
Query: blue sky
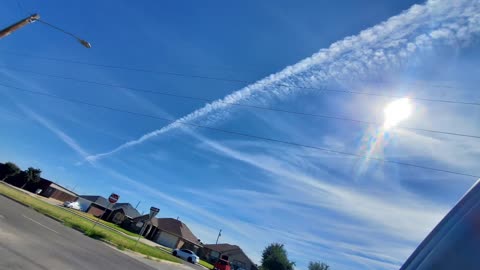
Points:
[351,213]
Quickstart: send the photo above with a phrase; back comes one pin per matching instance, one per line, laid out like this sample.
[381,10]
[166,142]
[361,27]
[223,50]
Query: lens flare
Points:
[396,112]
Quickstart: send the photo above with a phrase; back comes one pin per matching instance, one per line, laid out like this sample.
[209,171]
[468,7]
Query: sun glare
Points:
[396,112]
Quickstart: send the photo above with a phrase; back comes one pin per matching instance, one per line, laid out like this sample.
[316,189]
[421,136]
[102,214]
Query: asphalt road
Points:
[30,240]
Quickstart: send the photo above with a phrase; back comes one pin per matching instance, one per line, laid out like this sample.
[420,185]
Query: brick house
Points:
[237,258]
[46,188]
[59,193]
[172,233]
[120,212]
[93,204]
[135,224]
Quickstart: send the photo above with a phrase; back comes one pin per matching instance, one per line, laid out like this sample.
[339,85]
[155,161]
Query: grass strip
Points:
[71,220]
[206,264]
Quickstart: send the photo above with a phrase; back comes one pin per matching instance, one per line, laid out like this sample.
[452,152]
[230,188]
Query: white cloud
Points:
[381,223]
[59,133]
[463,154]
[392,214]
[376,48]
[69,141]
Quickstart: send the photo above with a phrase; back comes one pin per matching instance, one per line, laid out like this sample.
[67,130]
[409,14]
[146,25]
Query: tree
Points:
[9,169]
[32,175]
[318,266]
[275,257]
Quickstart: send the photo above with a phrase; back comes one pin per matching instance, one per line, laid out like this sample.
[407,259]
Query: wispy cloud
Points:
[385,45]
[371,226]
[341,198]
[69,141]
[59,133]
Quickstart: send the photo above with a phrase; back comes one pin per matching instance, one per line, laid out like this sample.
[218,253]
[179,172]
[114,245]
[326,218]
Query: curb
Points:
[52,217]
[17,201]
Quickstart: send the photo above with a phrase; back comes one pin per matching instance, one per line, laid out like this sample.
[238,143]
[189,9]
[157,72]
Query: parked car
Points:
[73,205]
[221,265]
[187,255]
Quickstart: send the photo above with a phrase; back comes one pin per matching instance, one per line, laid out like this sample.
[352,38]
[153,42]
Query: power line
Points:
[179,74]
[344,91]
[135,69]
[245,105]
[383,160]
[225,68]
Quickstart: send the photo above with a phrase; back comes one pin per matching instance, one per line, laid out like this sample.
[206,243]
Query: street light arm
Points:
[85,43]
[12,28]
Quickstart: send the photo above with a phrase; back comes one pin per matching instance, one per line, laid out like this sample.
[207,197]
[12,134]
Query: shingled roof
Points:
[175,227]
[221,248]
[128,209]
[99,200]
[226,249]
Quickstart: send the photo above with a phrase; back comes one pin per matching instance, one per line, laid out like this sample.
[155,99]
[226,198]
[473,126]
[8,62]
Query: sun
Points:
[396,112]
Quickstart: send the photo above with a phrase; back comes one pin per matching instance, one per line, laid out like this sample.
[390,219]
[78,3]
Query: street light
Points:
[33,18]
[85,43]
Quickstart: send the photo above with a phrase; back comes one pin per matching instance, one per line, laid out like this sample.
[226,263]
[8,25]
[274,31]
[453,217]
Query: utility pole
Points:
[33,18]
[14,27]
[218,237]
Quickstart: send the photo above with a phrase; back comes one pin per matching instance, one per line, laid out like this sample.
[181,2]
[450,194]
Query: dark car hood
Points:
[455,242]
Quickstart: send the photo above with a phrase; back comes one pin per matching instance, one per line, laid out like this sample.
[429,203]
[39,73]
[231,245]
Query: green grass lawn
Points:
[166,249]
[111,225]
[78,223]
[206,264]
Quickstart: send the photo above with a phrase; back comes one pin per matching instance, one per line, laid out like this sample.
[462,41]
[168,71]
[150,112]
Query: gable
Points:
[128,209]
[175,227]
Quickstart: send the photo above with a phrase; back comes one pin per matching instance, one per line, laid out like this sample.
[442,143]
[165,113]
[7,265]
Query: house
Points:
[135,225]
[93,204]
[120,212]
[99,206]
[57,192]
[43,187]
[238,259]
[172,233]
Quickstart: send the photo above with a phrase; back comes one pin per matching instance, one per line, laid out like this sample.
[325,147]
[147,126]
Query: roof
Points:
[46,180]
[175,227]
[63,189]
[222,247]
[128,209]
[99,200]
[58,186]
[141,218]
[227,248]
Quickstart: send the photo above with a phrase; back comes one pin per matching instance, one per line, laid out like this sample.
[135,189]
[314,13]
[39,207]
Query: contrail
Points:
[386,45]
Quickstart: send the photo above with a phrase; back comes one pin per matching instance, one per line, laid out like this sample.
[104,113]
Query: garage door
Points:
[167,240]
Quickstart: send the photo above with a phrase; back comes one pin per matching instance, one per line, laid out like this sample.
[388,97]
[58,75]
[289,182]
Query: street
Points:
[30,240]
